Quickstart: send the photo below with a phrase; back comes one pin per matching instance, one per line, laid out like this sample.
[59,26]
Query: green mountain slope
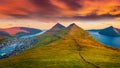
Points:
[68,48]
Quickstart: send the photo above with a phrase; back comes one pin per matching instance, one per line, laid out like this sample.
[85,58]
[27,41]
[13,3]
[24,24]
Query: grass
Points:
[60,54]
[55,52]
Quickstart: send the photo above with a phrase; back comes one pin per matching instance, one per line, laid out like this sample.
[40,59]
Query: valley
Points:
[17,45]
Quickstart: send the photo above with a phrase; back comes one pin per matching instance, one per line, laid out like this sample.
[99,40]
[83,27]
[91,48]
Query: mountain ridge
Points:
[69,48]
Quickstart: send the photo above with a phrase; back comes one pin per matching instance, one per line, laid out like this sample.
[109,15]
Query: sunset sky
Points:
[43,14]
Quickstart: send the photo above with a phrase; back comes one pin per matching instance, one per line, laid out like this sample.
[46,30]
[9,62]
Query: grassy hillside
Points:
[68,48]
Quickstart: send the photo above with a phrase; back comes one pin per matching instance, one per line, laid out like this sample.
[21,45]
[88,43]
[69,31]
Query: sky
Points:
[43,14]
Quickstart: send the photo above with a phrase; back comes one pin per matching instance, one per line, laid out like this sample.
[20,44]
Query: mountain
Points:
[18,31]
[55,28]
[50,35]
[71,47]
[29,31]
[11,31]
[110,31]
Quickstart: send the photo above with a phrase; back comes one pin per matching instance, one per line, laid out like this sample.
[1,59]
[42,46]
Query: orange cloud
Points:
[98,7]
[59,8]
[20,7]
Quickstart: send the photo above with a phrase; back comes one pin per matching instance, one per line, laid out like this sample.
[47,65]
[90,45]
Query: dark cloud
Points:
[18,15]
[73,4]
[96,17]
[45,6]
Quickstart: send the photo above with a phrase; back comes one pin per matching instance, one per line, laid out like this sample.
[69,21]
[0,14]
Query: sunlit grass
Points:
[55,52]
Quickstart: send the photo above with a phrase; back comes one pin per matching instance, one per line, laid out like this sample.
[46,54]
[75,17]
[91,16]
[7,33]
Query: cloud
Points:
[73,4]
[89,9]
[16,7]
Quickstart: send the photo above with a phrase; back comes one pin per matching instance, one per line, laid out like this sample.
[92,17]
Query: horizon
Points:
[52,24]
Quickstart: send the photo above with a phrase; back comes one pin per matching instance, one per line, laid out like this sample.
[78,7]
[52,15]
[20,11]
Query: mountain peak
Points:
[73,25]
[75,30]
[58,25]
[110,27]
[55,28]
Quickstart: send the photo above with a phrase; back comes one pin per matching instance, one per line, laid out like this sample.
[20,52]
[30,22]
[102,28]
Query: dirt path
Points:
[79,49]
